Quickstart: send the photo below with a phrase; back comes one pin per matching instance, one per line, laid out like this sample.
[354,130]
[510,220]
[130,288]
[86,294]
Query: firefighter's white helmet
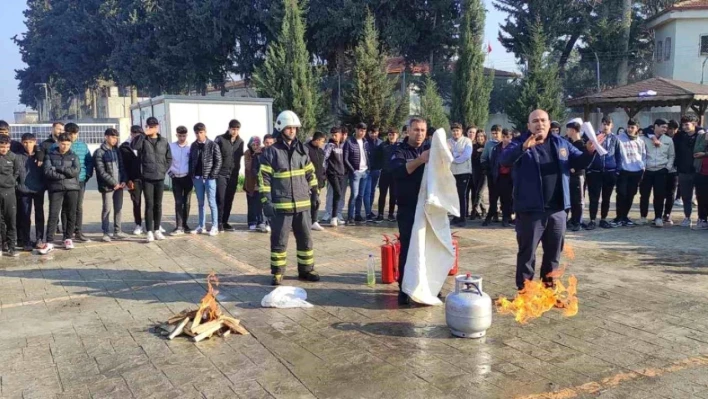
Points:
[285,119]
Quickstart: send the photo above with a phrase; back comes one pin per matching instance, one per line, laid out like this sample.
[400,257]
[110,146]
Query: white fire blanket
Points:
[430,255]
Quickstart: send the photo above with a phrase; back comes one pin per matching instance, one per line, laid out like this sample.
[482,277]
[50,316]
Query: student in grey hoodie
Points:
[659,161]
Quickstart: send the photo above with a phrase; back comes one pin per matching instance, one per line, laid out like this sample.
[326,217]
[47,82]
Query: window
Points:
[704,45]
[659,50]
[667,49]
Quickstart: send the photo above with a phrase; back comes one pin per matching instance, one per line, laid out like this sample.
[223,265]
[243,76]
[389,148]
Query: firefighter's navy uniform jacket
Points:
[287,181]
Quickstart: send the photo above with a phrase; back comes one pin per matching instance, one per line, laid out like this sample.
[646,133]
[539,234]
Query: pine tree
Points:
[373,97]
[288,76]
[431,105]
[471,89]
[540,88]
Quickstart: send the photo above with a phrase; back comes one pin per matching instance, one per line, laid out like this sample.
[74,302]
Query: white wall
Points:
[685,32]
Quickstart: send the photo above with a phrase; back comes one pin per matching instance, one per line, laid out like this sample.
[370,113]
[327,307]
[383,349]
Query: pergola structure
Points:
[669,93]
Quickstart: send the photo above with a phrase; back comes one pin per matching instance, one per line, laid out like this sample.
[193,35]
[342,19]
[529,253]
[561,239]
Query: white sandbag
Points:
[286,297]
[430,255]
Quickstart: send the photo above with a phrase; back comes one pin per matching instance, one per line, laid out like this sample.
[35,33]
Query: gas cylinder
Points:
[468,310]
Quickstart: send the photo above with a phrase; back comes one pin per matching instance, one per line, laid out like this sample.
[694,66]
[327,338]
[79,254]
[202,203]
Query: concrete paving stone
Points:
[102,300]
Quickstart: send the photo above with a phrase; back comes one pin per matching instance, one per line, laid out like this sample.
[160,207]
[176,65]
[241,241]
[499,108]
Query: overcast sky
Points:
[13,23]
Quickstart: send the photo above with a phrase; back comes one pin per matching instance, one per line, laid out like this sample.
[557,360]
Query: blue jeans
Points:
[208,187]
[358,186]
[375,174]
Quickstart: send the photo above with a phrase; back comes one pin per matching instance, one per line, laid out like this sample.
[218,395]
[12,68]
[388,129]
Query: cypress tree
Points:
[431,105]
[288,76]
[372,97]
[471,89]
[541,86]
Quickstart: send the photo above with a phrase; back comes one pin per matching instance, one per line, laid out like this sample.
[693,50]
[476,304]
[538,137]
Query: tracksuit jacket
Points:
[526,171]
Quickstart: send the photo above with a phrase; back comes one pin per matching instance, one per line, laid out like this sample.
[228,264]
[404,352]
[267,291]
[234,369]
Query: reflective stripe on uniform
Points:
[288,174]
[277,259]
[291,205]
[306,257]
[313,182]
[264,189]
[267,169]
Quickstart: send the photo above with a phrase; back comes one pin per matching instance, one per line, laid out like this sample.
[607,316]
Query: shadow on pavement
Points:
[396,329]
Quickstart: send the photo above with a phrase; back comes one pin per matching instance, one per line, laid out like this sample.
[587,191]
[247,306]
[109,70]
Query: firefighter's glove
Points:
[268,210]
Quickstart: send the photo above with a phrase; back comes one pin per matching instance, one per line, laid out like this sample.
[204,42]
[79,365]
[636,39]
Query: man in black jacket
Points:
[387,184]
[204,166]
[317,155]
[134,176]
[30,191]
[9,172]
[111,178]
[57,129]
[336,175]
[61,172]
[15,146]
[356,160]
[155,158]
[375,142]
[231,147]
[684,141]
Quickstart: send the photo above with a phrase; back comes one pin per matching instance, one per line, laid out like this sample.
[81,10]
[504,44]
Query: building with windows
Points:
[681,42]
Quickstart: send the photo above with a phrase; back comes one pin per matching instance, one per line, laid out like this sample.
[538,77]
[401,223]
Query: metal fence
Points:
[90,133]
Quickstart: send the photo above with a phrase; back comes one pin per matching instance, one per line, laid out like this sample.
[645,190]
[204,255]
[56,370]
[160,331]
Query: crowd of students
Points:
[62,164]
[666,162]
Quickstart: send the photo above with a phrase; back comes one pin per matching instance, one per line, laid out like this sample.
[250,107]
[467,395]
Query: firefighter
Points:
[288,185]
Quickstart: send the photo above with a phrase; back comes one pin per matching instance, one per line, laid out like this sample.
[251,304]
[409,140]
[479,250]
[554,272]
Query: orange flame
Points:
[208,306]
[536,298]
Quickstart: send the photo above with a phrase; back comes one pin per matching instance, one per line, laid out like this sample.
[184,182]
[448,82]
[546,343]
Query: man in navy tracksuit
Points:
[541,164]
[602,176]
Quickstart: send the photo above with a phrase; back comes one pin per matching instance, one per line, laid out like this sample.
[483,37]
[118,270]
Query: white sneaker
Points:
[198,230]
[334,222]
[162,230]
[106,238]
[678,202]
[687,223]
[702,225]
[150,236]
[658,222]
[316,226]
[668,221]
[68,244]
[643,221]
[47,248]
[214,231]
[138,230]
[252,227]
[694,202]
[159,235]
[261,227]
[267,230]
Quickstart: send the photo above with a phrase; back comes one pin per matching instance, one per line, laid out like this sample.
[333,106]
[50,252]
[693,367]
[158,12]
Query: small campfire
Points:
[203,322]
[536,298]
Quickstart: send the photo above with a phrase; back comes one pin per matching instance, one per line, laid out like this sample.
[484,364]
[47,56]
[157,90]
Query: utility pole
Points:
[597,70]
[703,69]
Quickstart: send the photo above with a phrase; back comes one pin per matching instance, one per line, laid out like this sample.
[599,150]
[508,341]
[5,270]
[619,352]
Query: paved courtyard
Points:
[79,324]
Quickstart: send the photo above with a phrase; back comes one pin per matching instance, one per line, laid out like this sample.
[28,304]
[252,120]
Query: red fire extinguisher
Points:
[456,248]
[389,259]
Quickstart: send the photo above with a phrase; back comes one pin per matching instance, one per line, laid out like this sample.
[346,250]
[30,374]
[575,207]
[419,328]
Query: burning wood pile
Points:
[536,298]
[203,322]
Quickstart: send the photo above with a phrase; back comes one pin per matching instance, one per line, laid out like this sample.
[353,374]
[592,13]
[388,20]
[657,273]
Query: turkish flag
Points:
[489,47]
